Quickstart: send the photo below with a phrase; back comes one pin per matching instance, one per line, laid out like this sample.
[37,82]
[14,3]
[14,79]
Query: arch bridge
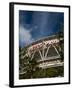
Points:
[47,51]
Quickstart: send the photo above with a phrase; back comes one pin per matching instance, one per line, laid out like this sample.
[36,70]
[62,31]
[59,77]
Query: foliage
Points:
[28,64]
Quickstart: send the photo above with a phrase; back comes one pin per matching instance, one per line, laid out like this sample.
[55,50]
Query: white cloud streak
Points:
[25,36]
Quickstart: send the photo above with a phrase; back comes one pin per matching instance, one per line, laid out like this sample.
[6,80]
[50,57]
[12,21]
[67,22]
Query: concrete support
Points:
[47,51]
[56,50]
[32,56]
[40,54]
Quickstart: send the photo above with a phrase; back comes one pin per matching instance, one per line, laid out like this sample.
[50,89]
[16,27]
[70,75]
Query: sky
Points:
[34,25]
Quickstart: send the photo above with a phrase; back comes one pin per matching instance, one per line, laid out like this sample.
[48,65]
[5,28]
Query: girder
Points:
[44,54]
[45,47]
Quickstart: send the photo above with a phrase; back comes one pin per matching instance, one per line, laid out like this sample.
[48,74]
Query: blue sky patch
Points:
[34,25]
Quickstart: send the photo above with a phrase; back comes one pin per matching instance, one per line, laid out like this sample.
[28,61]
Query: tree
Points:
[31,66]
[28,64]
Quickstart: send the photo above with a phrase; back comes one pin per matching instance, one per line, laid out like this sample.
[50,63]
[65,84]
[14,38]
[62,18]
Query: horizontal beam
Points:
[51,65]
[49,58]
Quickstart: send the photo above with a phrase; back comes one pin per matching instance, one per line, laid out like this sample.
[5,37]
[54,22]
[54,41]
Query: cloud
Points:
[25,36]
